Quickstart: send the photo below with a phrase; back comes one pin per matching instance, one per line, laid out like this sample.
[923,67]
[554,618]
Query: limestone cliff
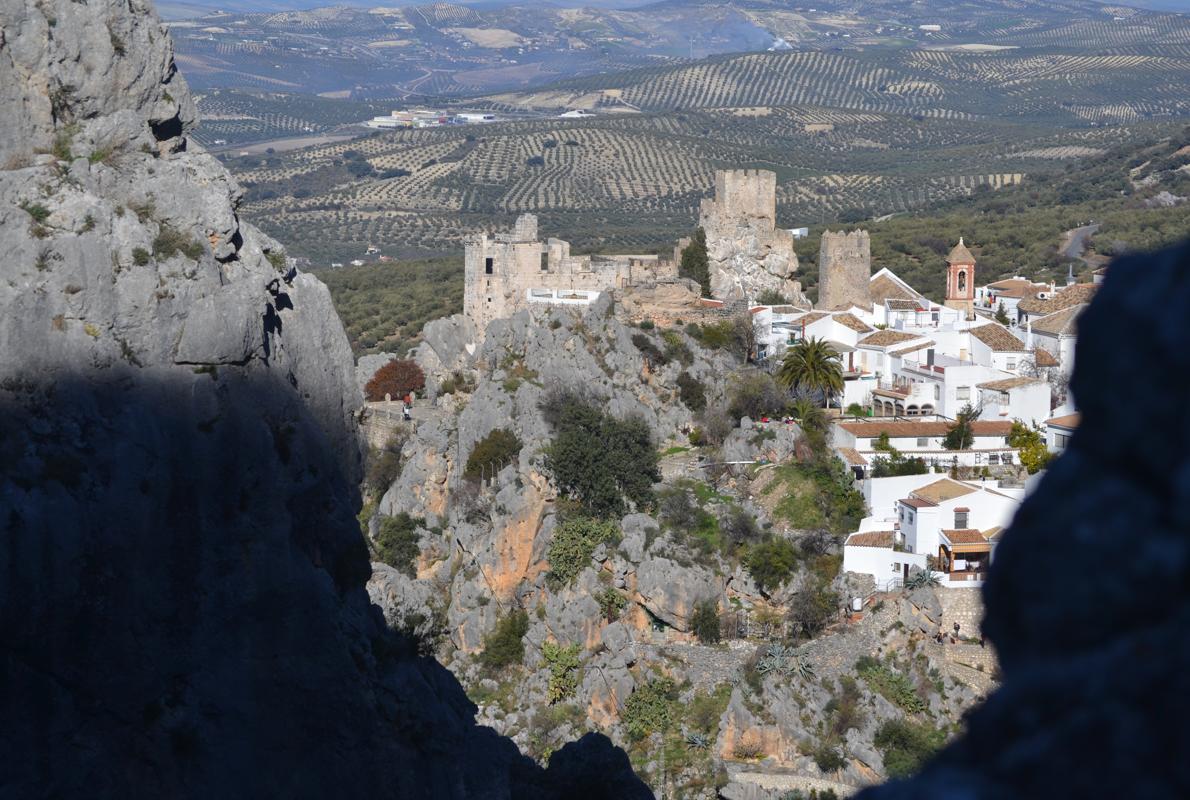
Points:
[183,610]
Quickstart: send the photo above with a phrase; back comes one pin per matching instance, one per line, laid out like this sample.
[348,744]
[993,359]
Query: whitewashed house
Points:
[958,523]
[1008,294]
[993,345]
[854,441]
[1056,333]
[1026,399]
[1058,431]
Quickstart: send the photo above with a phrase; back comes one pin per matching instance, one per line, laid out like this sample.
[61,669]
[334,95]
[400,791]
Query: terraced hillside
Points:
[231,117]
[444,49]
[633,182]
[1054,86]
[1137,193]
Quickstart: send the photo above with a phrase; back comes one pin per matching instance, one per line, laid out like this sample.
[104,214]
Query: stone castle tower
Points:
[494,269]
[844,270]
[747,253]
[960,279]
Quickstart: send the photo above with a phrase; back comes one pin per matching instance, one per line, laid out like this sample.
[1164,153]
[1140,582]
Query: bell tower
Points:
[960,279]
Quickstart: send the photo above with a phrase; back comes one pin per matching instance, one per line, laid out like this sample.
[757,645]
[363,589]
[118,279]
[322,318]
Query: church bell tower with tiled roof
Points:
[960,279]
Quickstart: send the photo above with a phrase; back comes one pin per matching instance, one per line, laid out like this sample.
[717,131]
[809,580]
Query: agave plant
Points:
[921,578]
[698,741]
[785,661]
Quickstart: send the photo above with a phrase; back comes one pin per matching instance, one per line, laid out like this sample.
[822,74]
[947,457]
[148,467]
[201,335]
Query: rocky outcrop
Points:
[184,610]
[1094,657]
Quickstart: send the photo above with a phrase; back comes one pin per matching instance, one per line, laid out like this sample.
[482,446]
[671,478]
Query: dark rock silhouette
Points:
[183,610]
[1088,600]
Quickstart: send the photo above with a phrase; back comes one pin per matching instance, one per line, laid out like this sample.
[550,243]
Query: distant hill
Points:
[422,52]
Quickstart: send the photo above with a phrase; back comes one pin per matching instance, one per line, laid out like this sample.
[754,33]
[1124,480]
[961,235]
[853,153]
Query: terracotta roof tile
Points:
[998,338]
[853,457]
[1017,287]
[912,348]
[964,536]
[851,321]
[885,338]
[960,254]
[1043,357]
[943,490]
[813,317]
[871,539]
[1070,421]
[1077,294]
[882,287]
[909,427]
[917,502]
[1059,322]
[1009,383]
[903,305]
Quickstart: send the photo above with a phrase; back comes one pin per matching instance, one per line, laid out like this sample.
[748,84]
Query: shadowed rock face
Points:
[182,578]
[1087,601]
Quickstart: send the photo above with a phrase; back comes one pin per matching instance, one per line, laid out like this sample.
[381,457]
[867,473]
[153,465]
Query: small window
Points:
[487,268]
[993,458]
[960,519]
[1011,364]
[1060,440]
[896,568]
[979,458]
[923,441]
[963,393]
[1006,458]
[545,262]
[911,516]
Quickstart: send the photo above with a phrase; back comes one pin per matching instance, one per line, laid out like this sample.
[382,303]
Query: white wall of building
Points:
[882,563]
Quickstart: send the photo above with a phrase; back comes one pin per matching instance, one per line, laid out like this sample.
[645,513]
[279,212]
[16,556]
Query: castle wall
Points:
[844,270]
[498,288]
[747,254]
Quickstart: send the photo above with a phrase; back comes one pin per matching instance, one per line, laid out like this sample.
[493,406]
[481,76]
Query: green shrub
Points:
[894,686]
[170,241]
[757,395]
[676,349]
[646,325]
[611,604]
[694,263]
[771,562]
[705,622]
[692,392]
[504,647]
[828,756]
[812,608]
[396,541]
[600,461]
[906,746]
[140,256]
[573,543]
[563,666]
[649,709]
[492,451]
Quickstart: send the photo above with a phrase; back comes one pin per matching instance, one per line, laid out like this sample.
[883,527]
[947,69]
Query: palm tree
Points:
[811,365]
[808,414]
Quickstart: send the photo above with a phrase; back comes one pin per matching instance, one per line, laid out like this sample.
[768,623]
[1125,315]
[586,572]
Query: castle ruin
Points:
[747,253]
[507,272]
[844,270]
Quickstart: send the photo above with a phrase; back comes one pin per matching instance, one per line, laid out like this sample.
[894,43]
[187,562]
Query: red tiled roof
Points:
[1070,421]
[942,490]
[871,539]
[1043,357]
[998,338]
[908,427]
[1074,295]
[964,536]
[885,338]
[959,254]
[851,321]
[1008,383]
[917,502]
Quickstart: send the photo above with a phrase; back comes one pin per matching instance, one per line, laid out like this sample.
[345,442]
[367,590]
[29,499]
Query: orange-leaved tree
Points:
[396,379]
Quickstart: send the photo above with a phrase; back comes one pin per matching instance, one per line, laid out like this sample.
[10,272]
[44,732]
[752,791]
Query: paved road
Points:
[1075,241]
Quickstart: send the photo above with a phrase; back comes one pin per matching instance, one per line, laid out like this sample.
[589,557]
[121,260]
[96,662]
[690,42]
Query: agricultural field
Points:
[633,183]
[1131,190]
[230,117]
[445,50]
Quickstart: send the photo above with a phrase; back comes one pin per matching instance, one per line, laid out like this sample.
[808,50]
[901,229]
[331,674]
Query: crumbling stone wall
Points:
[500,270]
[844,270]
[747,253]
